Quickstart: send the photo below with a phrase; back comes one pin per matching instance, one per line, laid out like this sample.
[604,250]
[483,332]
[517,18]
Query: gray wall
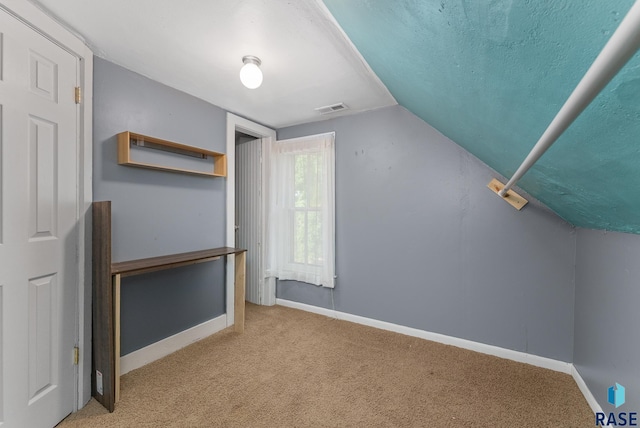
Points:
[422,242]
[155,212]
[607,318]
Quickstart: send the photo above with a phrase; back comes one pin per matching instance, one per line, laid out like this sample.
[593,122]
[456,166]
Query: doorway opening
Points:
[249,211]
[247,134]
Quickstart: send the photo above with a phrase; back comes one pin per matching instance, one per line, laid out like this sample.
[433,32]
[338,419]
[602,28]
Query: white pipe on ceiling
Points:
[624,42]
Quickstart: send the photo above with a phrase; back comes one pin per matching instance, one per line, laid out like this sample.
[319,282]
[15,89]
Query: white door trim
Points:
[52,30]
[236,123]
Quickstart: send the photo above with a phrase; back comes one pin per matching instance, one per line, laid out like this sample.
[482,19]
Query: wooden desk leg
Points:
[238,319]
[116,334]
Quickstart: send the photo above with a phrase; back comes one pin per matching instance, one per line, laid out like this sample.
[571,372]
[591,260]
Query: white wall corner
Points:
[591,400]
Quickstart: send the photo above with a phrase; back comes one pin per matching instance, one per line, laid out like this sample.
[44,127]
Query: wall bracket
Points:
[511,197]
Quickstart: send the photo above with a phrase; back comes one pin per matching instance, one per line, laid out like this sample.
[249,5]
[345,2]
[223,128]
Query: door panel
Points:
[38,236]
[43,77]
[41,309]
[43,179]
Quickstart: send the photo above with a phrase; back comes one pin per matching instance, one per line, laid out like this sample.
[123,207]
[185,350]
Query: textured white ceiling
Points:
[197,46]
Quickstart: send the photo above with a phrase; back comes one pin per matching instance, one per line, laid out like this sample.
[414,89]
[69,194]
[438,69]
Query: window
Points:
[301,219]
[306,248]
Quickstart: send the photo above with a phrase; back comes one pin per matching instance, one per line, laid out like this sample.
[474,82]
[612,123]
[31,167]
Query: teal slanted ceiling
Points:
[491,75]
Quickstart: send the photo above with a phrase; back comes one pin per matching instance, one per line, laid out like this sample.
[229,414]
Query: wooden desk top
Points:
[151,264]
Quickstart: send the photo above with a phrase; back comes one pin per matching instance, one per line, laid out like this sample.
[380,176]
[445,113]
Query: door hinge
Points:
[78,95]
[76,355]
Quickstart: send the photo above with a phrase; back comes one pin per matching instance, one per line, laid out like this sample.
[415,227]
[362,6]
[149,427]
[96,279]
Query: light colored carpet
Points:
[295,369]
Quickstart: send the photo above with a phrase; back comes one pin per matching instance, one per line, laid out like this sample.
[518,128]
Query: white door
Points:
[38,236]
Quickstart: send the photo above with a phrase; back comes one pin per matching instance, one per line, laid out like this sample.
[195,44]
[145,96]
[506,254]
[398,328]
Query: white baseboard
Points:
[595,407]
[164,347]
[521,357]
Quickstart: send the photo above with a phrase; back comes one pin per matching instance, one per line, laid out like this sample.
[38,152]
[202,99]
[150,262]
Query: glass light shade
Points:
[251,75]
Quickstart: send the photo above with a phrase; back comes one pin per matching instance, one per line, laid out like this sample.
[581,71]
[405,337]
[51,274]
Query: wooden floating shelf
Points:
[127,138]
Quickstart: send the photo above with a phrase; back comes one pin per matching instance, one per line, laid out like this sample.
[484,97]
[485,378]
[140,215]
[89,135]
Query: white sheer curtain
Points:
[301,210]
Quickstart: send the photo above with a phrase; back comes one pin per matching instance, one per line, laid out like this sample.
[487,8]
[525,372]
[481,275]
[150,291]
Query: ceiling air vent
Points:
[332,108]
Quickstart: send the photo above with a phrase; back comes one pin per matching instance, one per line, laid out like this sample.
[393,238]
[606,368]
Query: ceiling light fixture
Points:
[250,73]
